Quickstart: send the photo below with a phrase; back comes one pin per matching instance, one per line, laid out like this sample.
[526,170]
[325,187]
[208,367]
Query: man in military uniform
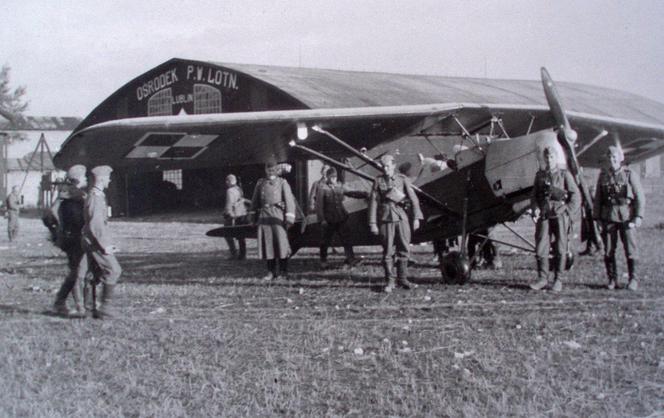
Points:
[618,207]
[273,205]
[313,192]
[13,205]
[332,215]
[235,213]
[388,219]
[555,198]
[70,207]
[99,250]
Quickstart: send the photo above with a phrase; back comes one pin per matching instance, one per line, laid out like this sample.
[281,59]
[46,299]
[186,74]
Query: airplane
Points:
[472,162]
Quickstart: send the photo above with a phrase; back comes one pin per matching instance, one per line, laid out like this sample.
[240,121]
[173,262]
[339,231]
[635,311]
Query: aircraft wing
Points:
[214,140]
[639,140]
[227,139]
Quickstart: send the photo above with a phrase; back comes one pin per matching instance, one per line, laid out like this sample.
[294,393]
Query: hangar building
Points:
[181,86]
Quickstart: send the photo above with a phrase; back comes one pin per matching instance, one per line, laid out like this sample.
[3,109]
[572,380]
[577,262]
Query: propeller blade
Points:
[566,137]
[556,107]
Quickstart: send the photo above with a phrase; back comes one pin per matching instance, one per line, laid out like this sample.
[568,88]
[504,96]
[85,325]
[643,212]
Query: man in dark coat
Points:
[70,207]
[332,215]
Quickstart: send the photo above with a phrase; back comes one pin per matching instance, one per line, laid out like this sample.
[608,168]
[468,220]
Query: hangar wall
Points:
[184,87]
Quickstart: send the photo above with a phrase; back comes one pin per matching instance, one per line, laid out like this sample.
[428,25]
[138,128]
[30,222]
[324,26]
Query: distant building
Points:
[22,162]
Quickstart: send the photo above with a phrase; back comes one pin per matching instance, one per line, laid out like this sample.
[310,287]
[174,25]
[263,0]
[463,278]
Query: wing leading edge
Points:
[213,140]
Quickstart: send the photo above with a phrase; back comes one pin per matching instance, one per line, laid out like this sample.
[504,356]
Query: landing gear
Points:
[455,268]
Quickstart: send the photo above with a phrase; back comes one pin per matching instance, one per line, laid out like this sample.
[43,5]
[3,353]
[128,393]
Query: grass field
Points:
[203,336]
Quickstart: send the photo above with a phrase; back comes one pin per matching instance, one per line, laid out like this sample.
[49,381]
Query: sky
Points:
[72,54]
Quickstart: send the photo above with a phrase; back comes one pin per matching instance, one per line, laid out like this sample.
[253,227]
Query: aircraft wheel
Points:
[455,268]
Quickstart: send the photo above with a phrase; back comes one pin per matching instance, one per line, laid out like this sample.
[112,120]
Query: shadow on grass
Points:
[16,310]
[214,269]
[11,309]
[499,283]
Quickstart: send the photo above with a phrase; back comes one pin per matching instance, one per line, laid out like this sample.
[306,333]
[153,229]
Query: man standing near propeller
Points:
[619,207]
[555,198]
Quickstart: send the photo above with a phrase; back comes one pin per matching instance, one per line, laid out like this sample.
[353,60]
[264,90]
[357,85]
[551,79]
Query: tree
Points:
[12,103]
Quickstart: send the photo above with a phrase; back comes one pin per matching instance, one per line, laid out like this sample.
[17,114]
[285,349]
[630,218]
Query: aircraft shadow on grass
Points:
[214,269]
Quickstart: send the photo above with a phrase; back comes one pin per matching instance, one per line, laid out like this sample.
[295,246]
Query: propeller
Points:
[567,138]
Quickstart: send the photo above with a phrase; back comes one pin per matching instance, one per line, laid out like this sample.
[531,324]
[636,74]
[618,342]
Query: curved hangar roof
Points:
[247,87]
[319,88]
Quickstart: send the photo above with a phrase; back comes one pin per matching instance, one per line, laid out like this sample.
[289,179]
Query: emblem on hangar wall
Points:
[206,99]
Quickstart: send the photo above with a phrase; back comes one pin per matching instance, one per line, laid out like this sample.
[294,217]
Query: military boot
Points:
[242,255]
[88,299]
[389,276]
[283,268]
[77,293]
[271,270]
[60,305]
[611,272]
[60,309]
[557,282]
[230,242]
[402,275]
[105,309]
[90,296]
[542,276]
[631,269]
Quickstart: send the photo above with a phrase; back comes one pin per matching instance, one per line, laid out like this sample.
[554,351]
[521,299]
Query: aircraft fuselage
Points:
[492,181]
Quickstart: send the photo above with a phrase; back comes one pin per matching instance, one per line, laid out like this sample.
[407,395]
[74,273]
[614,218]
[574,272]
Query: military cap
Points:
[76,171]
[101,170]
[385,158]
[615,150]
[271,162]
[331,172]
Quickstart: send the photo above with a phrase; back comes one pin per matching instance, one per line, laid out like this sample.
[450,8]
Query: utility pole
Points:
[4,138]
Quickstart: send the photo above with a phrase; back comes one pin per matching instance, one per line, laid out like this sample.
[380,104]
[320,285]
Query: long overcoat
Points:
[273,203]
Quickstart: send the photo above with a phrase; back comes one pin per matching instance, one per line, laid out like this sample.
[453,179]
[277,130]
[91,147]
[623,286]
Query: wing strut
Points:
[330,161]
[592,142]
[348,148]
[421,193]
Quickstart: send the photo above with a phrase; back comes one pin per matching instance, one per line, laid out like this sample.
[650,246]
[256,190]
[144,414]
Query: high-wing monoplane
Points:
[470,145]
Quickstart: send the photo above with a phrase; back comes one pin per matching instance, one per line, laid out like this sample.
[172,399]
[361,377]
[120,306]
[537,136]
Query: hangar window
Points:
[161,103]
[207,99]
[174,176]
